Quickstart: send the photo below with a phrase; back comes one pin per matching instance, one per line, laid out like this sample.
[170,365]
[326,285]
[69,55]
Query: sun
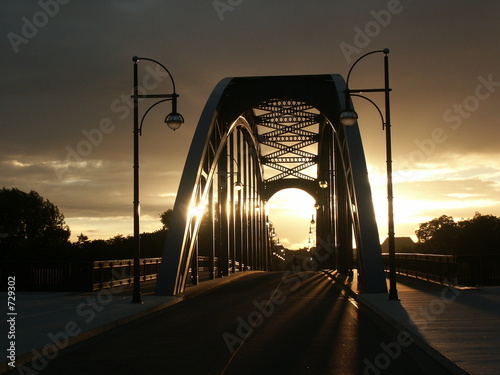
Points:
[290,211]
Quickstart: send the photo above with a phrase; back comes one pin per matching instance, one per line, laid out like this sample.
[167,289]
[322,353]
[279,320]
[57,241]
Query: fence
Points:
[47,275]
[109,273]
[83,276]
[468,270]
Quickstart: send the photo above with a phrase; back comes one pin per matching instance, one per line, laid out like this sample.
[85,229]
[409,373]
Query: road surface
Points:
[263,323]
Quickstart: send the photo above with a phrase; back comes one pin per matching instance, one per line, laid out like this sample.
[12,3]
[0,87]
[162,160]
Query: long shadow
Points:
[306,332]
[186,338]
[379,305]
[471,298]
[385,349]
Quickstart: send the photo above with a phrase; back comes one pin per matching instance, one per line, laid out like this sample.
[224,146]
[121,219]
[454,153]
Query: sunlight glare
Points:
[290,211]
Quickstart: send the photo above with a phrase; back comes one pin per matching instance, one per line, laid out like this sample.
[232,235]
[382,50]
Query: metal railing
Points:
[75,276]
[83,276]
[110,273]
[47,275]
[468,270]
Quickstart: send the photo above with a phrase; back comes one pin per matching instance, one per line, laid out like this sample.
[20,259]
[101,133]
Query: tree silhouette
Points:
[28,218]
[442,235]
[429,229]
[82,240]
[481,234]
[166,218]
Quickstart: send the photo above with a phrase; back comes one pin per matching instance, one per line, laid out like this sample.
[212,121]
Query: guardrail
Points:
[468,270]
[47,275]
[83,276]
[110,273]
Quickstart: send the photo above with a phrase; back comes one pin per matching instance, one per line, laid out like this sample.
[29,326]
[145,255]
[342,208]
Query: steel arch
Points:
[229,132]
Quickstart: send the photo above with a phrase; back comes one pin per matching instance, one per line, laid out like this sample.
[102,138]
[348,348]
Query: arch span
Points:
[262,135]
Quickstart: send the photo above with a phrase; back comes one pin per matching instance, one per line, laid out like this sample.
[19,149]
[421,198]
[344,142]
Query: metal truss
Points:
[262,135]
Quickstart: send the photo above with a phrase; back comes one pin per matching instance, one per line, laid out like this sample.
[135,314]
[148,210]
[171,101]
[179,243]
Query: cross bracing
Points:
[288,139]
[292,172]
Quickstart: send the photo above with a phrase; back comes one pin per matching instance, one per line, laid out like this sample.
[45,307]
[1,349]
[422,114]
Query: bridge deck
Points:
[462,324]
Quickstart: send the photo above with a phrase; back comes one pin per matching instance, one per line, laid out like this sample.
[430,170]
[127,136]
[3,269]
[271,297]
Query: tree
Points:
[479,235]
[440,235]
[29,218]
[166,218]
[428,230]
[82,240]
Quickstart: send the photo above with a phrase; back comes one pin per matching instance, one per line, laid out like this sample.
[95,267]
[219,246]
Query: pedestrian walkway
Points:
[47,322]
[458,324]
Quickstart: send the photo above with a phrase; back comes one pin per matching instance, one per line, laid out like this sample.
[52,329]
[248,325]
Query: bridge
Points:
[224,302]
[257,136]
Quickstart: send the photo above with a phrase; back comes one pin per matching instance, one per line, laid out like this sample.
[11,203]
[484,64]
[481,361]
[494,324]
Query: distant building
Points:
[402,244]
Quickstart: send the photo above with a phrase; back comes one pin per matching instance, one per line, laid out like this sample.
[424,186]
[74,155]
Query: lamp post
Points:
[349,117]
[174,120]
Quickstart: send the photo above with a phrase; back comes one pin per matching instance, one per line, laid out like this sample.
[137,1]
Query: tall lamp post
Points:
[174,120]
[349,117]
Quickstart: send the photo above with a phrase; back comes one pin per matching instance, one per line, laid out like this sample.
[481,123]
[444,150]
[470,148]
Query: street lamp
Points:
[174,120]
[349,117]
[323,184]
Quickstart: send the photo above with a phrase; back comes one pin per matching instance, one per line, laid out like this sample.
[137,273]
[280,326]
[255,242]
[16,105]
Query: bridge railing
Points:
[82,276]
[110,273]
[39,275]
[468,270]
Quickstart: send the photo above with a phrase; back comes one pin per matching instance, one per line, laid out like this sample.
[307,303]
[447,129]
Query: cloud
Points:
[451,184]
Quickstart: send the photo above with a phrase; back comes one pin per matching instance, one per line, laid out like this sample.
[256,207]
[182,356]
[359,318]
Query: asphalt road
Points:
[262,323]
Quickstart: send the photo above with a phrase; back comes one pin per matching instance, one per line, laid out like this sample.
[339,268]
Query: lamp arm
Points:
[385,51]
[376,106]
[144,116]
[135,59]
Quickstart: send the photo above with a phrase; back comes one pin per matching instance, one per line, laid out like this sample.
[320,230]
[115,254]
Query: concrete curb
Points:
[442,360]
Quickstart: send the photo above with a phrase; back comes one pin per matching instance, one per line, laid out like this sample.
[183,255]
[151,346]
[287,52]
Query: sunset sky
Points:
[66,76]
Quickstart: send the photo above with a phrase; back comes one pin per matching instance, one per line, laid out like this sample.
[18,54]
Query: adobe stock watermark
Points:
[245,328]
[32,25]
[436,307]
[392,350]
[363,37]
[223,6]
[265,309]
[455,116]
[122,107]
[57,341]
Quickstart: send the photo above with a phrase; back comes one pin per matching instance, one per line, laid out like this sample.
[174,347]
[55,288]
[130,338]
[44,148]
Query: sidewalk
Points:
[47,322]
[458,324]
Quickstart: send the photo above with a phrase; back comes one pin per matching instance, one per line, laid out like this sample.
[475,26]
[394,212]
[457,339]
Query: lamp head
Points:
[348,117]
[238,186]
[174,120]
